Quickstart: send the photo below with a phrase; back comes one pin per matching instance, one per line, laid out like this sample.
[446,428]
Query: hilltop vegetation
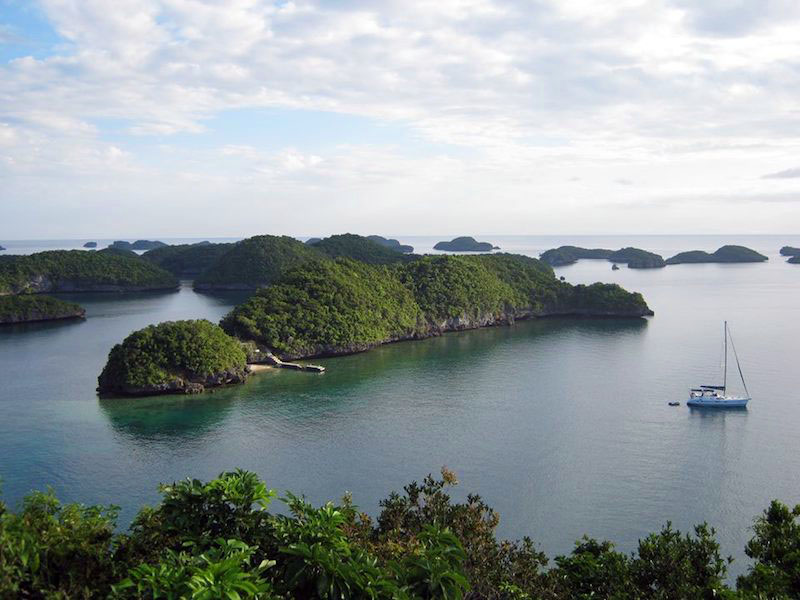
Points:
[80,271]
[725,254]
[173,357]
[218,539]
[28,308]
[345,306]
[256,262]
[349,245]
[635,258]
[464,244]
[187,260]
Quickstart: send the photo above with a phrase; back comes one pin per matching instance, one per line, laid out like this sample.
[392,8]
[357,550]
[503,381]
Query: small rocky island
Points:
[176,357]
[392,244]
[793,253]
[635,258]
[80,271]
[465,244]
[725,254]
[794,260]
[28,309]
[137,245]
[90,245]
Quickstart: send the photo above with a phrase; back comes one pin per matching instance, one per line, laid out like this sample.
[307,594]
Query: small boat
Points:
[715,396]
[674,403]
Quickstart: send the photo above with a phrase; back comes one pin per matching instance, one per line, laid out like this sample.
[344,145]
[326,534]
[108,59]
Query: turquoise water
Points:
[562,425]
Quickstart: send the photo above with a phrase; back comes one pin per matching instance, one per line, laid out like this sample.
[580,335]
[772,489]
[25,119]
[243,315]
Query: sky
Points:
[146,118]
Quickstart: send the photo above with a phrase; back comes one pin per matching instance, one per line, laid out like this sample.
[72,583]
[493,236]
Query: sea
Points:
[562,425]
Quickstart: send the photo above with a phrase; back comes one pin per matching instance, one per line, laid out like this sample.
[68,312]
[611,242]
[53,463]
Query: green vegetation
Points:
[23,309]
[79,271]
[256,262]
[349,245]
[119,252]
[346,306]
[634,257]
[790,251]
[220,540]
[187,260]
[391,243]
[726,254]
[173,357]
[137,245]
[464,244]
[327,307]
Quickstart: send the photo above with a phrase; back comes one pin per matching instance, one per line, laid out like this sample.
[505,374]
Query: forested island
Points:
[794,260]
[80,271]
[635,258]
[725,254]
[187,260]
[350,245]
[90,245]
[219,539]
[790,251]
[31,308]
[465,244]
[391,243]
[137,245]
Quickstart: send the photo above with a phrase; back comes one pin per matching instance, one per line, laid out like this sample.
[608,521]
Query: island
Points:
[137,245]
[2,248]
[80,271]
[187,261]
[725,254]
[329,308]
[349,245]
[175,357]
[27,309]
[465,244]
[635,258]
[795,260]
[391,243]
[255,262]
[313,240]
[90,245]
[790,251]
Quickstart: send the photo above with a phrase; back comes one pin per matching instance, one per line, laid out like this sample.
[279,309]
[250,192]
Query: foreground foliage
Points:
[345,306]
[169,354]
[79,270]
[218,539]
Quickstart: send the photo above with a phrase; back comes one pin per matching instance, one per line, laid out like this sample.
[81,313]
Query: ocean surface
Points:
[562,425]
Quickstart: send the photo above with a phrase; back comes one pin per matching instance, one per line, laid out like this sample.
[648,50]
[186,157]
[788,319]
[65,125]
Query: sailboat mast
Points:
[725,372]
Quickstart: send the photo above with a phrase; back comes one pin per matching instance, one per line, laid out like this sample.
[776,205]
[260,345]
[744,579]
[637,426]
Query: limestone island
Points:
[795,260]
[350,245]
[175,357]
[344,306]
[790,251]
[90,245]
[28,309]
[635,258]
[80,271]
[187,261]
[391,243]
[137,245]
[726,254]
[465,244]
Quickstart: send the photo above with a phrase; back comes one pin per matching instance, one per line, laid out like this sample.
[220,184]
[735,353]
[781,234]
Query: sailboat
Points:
[716,395]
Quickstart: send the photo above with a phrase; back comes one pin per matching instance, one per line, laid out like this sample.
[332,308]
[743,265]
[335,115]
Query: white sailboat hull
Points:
[717,401]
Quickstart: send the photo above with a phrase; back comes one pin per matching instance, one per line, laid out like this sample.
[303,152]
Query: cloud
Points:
[785,174]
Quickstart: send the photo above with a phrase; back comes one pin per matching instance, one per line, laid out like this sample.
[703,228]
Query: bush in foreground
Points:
[219,540]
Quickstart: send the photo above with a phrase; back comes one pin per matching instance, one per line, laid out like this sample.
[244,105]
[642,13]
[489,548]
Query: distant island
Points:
[345,306]
[313,240]
[725,254]
[137,245]
[465,244]
[175,357]
[795,260]
[350,245]
[187,260]
[90,245]
[27,308]
[790,251]
[80,271]
[635,258]
[391,243]
[2,248]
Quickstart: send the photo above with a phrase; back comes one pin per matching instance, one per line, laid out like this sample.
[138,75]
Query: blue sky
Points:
[192,117]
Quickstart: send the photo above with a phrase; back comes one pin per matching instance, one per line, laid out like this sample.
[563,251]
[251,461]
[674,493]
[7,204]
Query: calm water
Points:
[562,425]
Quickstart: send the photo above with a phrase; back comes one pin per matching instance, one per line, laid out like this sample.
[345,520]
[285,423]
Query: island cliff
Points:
[27,309]
[343,306]
[80,271]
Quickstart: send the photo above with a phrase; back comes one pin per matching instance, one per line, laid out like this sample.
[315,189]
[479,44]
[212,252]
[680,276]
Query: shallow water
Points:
[561,424]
